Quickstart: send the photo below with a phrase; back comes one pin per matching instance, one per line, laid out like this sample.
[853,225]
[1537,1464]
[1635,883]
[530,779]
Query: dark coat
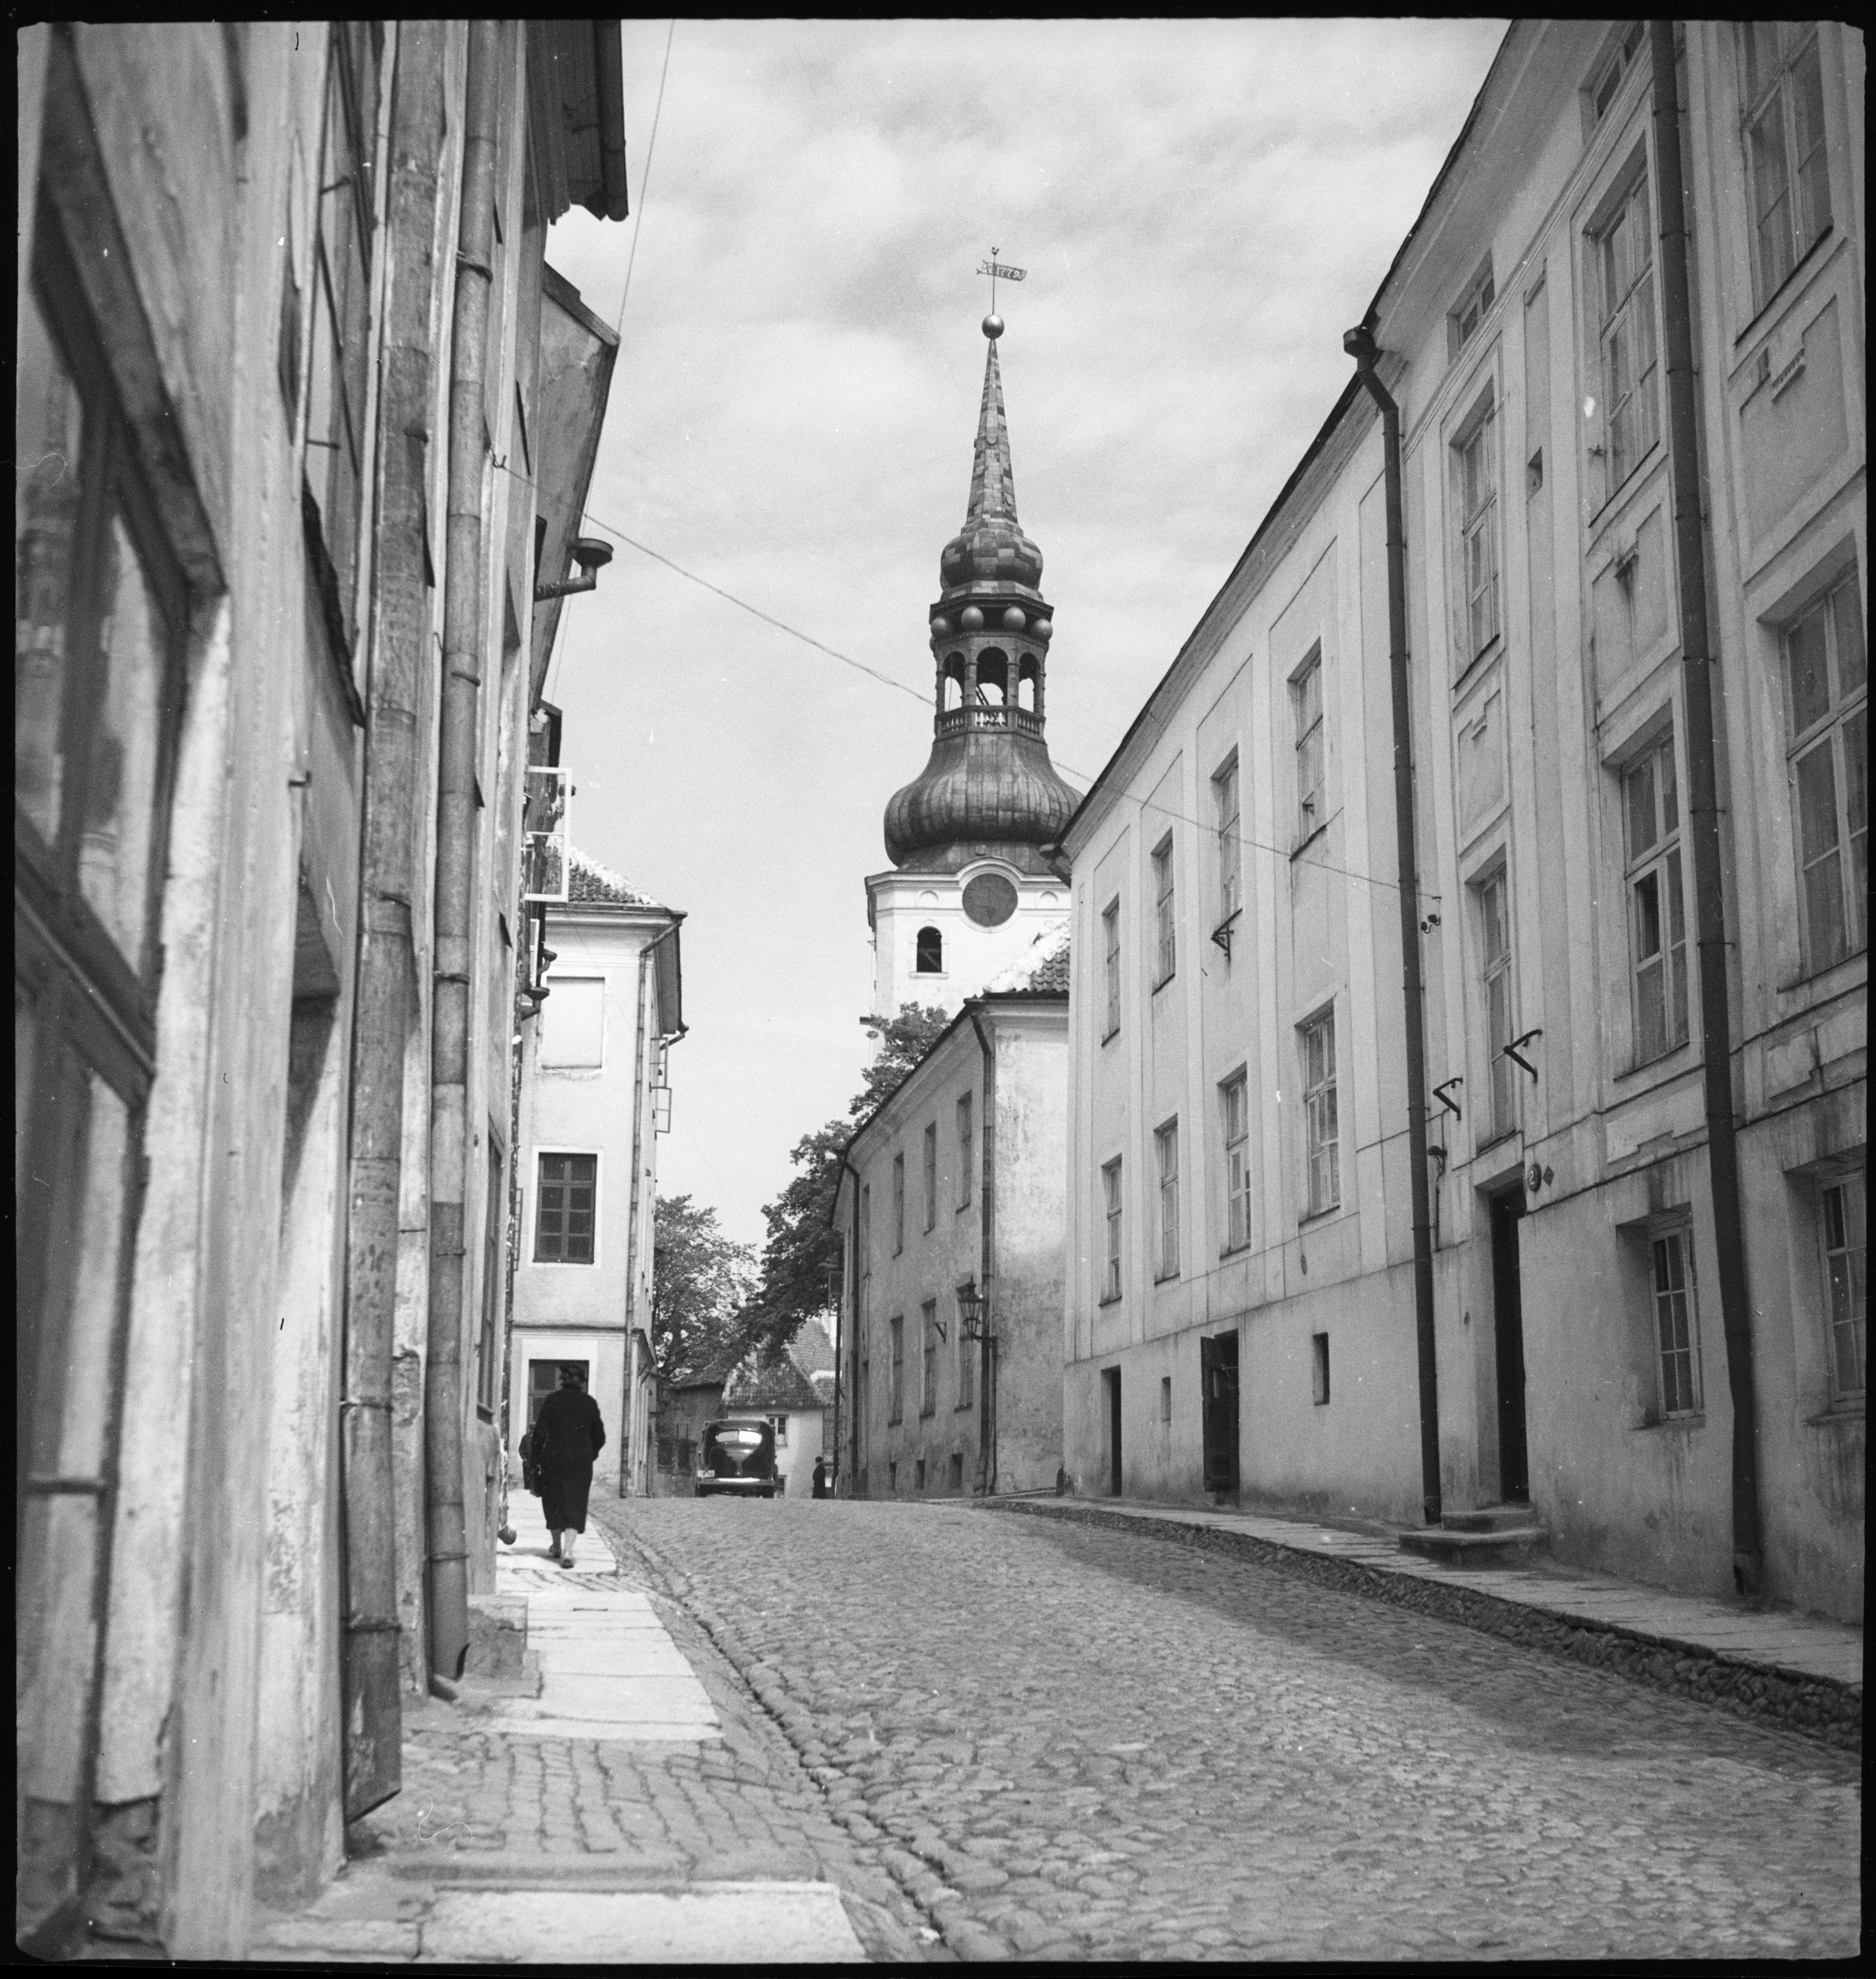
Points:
[568,1434]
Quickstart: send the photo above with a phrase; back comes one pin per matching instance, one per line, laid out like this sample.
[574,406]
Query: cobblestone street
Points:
[1069,1742]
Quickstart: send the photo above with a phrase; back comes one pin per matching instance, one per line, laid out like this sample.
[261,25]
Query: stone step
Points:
[1490,1519]
[1509,1547]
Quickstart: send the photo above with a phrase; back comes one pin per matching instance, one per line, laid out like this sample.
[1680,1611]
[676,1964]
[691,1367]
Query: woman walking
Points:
[568,1435]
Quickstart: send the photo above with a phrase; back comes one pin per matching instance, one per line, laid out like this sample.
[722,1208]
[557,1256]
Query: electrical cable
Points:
[644,185]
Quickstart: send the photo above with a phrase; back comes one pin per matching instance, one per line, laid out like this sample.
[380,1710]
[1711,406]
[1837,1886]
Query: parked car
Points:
[737,1461]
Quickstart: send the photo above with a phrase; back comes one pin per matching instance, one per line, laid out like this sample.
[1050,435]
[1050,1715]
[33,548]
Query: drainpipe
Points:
[1359,343]
[631,1205]
[852,1298]
[455,865]
[1703,814]
[986,1389]
[372,1706]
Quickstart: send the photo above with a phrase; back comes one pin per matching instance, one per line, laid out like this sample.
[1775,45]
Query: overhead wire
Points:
[644,185]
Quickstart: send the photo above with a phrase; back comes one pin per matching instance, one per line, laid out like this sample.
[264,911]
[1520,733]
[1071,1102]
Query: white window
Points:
[1235,1092]
[780,1425]
[1322,1134]
[1166,1148]
[931,1173]
[1306,704]
[573,1022]
[1843,1210]
[1476,473]
[1165,952]
[928,1373]
[1472,307]
[1495,973]
[566,1209]
[865,1232]
[1603,93]
[1676,1322]
[1625,262]
[1826,685]
[1786,162]
[1657,913]
[1225,808]
[966,1147]
[1110,1193]
[899,1204]
[1110,964]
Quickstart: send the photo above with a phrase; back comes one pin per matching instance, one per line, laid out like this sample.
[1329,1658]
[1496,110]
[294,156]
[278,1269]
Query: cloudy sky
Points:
[1203,209]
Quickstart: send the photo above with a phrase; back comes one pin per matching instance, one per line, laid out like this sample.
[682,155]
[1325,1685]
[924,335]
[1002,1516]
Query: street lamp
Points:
[971,1304]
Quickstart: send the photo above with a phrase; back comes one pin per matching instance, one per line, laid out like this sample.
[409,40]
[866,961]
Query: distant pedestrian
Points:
[568,1434]
[823,1487]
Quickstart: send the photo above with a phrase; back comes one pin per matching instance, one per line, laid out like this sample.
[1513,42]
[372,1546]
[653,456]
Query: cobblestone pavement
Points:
[480,1809]
[1069,1742]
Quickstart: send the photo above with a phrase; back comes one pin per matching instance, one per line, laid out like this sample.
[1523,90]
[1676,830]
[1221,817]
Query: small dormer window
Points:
[930,952]
[1472,307]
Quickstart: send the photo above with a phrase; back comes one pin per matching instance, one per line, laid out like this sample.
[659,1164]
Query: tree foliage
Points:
[701,1284]
[803,1253]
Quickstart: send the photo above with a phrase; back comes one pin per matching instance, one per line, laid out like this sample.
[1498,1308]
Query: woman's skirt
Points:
[564,1487]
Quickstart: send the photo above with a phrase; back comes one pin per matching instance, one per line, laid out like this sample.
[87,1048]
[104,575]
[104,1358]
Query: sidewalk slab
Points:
[1801,1669]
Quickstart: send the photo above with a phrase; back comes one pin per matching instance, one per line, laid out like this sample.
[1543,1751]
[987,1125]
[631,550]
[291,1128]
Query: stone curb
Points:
[1821,1708]
[797,1728]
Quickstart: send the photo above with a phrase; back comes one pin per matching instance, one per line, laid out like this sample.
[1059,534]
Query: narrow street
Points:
[1068,1742]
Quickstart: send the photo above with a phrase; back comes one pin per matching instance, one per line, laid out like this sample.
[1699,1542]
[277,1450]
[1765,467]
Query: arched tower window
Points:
[931,952]
[952,686]
[993,679]
[1028,670]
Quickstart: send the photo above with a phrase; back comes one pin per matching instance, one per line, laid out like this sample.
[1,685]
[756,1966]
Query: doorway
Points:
[1217,1370]
[1514,1477]
[1110,1384]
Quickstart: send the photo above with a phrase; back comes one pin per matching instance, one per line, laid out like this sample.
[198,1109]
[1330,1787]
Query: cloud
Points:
[1204,207]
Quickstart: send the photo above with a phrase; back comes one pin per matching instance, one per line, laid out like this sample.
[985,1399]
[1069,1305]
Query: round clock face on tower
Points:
[989,900]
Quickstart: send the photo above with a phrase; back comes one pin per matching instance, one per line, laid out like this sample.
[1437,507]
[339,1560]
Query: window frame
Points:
[966,1349]
[1227,812]
[928,1358]
[1321,1152]
[920,965]
[1166,1160]
[899,1203]
[1498,992]
[895,1394]
[928,1157]
[1477,549]
[1110,934]
[1777,99]
[1165,909]
[966,1146]
[1672,1403]
[1236,1168]
[1845,1319]
[1629,206]
[1307,706]
[1834,732]
[1660,864]
[1467,316]
[542,1155]
[1111,1278]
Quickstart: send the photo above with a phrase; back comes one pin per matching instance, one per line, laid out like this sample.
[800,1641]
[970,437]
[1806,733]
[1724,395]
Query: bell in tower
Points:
[972,891]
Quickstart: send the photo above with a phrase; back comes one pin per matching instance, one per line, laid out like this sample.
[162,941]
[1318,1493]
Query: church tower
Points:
[971,893]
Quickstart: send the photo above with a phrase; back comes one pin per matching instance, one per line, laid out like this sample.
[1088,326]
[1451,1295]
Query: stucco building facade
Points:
[592,1084]
[1633,676]
[277,646]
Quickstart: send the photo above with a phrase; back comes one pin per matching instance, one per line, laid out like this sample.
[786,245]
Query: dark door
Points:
[1514,1477]
[1218,1368]
[1110,1380]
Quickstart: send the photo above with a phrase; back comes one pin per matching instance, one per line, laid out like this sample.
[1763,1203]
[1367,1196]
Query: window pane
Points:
[1817,810]
[1808,124]
[49,431]
[1806,668]
[1640,783]
[1852,669]
[1857,807]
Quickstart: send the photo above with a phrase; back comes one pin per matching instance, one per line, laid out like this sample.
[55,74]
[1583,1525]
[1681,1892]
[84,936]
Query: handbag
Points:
[530,1469]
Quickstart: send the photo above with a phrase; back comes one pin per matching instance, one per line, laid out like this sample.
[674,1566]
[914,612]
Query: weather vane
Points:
[993,268]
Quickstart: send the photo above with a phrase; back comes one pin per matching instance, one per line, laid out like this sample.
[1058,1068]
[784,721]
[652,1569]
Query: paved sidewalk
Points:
[1800,1668]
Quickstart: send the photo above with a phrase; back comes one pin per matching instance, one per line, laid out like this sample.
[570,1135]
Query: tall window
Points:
[1786,157]
[1235,1092]
[1609,81]
[1166,953]
[1477,470]
[494,1286]
[341,300]
[1306,704]
[1110,1197]
[1321,1132]
[967,1149]
[1827,682]
[865,1232]
[928,1372]
[899,1204]
[1843,1206]
[1671,1263]
[966,1360]
[1624,256]
[566,1211]
[1657,916]
[1471,308]
[1224,808]
[1495,971]
[1110,966]
[931,1173]
[1166,1151]
[929,956]
[896,1332]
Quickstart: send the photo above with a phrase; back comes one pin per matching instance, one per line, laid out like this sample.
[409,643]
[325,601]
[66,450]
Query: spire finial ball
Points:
[993,327]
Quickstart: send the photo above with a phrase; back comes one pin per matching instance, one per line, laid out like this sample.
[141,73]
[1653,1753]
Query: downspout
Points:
[852,1298]
[372,1704]
[1703,818]
[986,1386]
[1359,343]
[455,867]
[639,1094]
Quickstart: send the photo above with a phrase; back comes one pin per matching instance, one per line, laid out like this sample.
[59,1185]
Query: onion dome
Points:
[991,548]
[980,796]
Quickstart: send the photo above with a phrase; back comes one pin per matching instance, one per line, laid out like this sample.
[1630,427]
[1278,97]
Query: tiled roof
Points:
[1042,968]
[776,1384]
[589,884]
[1051,974]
